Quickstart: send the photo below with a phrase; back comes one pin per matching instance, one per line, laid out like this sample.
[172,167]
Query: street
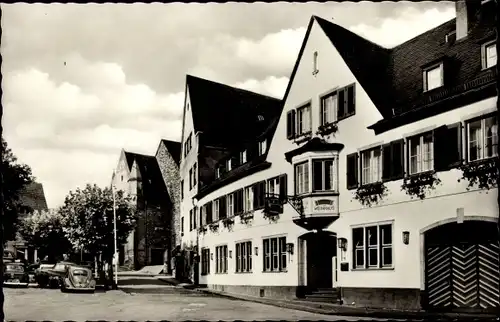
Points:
[151,300]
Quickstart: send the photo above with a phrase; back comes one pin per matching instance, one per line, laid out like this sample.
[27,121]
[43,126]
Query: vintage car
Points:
[52,276]
[78,278]
[15,274]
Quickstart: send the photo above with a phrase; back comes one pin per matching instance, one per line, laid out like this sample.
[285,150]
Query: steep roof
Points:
[32,196]
[131,156]
[393,80]
[152,180]
[174,148]
[229,116]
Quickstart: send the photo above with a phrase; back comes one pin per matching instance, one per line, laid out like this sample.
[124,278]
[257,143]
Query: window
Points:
[489,55]
[323,175]
[372,246]
[421,153]
[275,258]
[304,119]
[182,226]
[205,261]
[248,199]
[215,210]
[433,77]
[329,108]
[482,138]
[302,178]
[221,259]
[182,189]
[122,178]
[191,220]
[195,174]
[229,165]
[187,145]
[243,156]
[262,147]
[259,195]
[346,102]
[244,257]
[273,186]
[211,217]
[371,166]
[230,205]
[190,179]
[291,124]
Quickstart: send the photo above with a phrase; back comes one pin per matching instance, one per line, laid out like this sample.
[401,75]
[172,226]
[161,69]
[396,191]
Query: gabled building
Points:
[375,182]
[31,198]
[141,176]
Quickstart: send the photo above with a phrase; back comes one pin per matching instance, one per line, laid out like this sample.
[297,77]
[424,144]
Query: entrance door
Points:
[320,261]
[463,274]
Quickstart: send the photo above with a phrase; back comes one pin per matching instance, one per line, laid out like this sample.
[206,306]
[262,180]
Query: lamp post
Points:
[115,257]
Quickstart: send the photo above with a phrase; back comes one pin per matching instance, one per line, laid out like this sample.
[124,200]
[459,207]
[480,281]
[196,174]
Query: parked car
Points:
[42,276]
[78,278]
[15,274]
[51,275]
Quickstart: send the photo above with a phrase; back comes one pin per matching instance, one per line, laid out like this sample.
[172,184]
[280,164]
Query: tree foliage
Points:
[15,177]
[44,230]
[88,219]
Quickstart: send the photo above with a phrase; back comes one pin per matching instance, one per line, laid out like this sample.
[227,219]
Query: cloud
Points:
[410,23]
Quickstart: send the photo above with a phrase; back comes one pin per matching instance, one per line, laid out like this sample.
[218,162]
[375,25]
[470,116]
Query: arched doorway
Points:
[462,266]
[320,250]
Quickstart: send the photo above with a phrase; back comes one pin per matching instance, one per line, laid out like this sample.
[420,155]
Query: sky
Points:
[81,82]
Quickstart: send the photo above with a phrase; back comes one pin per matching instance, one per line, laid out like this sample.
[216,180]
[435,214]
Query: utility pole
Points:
[115,255]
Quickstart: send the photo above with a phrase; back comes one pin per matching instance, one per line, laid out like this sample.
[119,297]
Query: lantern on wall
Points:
[230,254]
[256,249]
[289,248]
[342,243]
[406,237]
[212,256]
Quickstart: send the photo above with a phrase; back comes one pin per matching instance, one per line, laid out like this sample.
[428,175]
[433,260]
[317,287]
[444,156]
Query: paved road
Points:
[163,302]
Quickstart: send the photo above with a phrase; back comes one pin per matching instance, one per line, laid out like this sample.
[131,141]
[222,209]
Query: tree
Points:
[88,219]
[44,230]
[15,177]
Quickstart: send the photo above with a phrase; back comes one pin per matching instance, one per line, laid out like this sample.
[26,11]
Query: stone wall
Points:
[170,172]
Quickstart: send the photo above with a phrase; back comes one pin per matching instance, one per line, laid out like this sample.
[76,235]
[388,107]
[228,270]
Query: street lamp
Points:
[115,257]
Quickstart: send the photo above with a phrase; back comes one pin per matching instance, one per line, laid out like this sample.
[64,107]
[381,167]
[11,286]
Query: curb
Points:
[331,309]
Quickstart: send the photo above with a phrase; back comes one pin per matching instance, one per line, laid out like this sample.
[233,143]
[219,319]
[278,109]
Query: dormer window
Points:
[262,147]
[243,156]
[217,172]
[229,164]
[260,118]
[489,55]
[433,77]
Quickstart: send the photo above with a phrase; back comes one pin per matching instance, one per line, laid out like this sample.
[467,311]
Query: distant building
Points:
[31,198]
[153,195]
[355,187]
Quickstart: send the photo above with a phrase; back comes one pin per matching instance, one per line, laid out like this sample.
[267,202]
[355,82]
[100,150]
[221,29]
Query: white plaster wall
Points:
[186,163]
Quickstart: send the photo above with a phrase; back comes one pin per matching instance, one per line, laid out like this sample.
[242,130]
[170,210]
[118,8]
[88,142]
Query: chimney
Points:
[466,11]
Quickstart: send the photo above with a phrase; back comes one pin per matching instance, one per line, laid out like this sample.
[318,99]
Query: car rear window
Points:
[80,272]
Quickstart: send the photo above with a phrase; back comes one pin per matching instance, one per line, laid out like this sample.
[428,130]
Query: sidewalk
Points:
[336,309]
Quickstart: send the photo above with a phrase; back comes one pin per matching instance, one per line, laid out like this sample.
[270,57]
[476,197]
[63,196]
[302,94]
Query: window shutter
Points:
[262,193]
[351,100]
[255,189]
[238,202]
[447,146]
[352,171]
[290,124]
[341,103]
[386,162]
[222,207]
[483,56]
[283,187]
[398,159]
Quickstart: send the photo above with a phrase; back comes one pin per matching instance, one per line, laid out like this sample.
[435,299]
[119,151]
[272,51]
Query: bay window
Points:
[371,166]
[302,178]
[323,175]
[421,153]
[482,138]
[372,246]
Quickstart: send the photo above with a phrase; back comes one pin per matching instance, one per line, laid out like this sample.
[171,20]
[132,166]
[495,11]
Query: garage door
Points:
[463,275]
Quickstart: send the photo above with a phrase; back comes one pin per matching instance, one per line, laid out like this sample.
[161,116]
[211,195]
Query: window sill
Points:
[418,174]
[373,269]
[319,193]
[243,272]
[346,116]
[222,273]
[285,271]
